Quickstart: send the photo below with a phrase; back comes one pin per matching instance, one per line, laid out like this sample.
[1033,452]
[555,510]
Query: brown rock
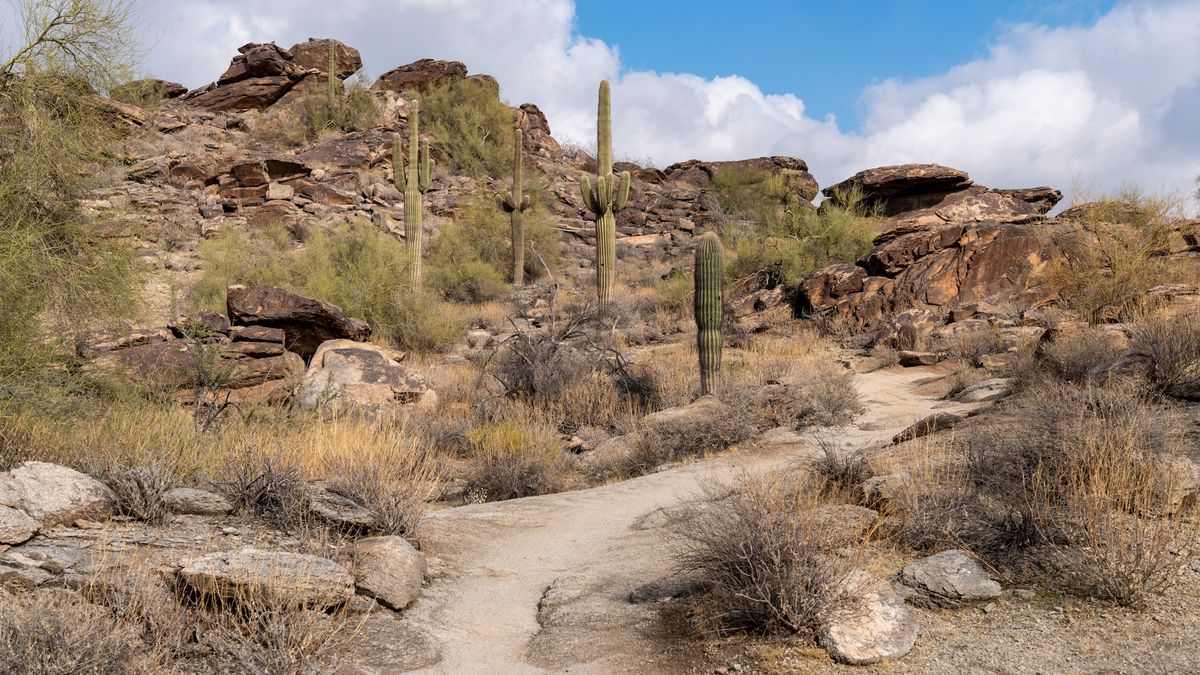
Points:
[388,569]
[420,76]
[306,322]
[314,54]
[148,90]
[281,579]
[356,373]
[906,187]
[910,359]
[252,173]
[254,93]
[253,349]
[257,60]
[1041,198]
[794,170]
[256,334]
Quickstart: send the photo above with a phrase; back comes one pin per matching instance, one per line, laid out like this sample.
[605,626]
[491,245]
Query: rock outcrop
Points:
[345,372]
[274,578]
[875,627]
[946,579]
[306,323]
[53,495]
[388,569]
[421,76]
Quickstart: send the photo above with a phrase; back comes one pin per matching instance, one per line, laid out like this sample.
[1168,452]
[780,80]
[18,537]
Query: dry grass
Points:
[1077,357]
[514,458]
[139,491]
[56,632]
[1172,343]
[762,558]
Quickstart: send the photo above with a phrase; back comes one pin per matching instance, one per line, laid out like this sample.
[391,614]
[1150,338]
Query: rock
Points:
[359,373]
[972,205]
[910,359]
[252,94]
[796,179]
[257,60]
[92,344]
[882,490]
[877,627]
[680,419]
[306,322]
[55,495]
[314,54]
[19,572]
[388,569]
[946,579]
[848,522]
[251,173]
[993,389]
[906,187]
[1041,198]
[194,502]
[280,191]
[203,324]
[420,76]
[347,514]
[939,421]
[148,90]
[272,577]
[257,334]
[253,349]
[16,526]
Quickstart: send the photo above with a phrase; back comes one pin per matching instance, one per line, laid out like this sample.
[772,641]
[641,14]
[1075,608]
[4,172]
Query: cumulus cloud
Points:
[1105,104]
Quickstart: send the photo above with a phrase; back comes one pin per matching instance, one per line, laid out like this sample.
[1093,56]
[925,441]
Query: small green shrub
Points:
[352,108]
[514,458]
[473,127]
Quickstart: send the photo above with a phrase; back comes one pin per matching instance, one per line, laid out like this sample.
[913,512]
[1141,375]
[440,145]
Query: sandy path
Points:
[539,584]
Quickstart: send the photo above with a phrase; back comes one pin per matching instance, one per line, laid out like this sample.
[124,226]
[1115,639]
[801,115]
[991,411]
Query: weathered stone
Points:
[253,349]
[55,495]
[987,390]
[1041,198]
[92,344]
[939,421]
[421,76]
[794,172]
[388,569]
[256,334]
[16,526]
[273,577]
[194,502]
[335,509]
[345,372]
[946,579]
[252,173]
[910,359]
[906,187]
[876,627]
[306,322]
[255,93]
[314,54]
[257,60]
[19,572]
[148,90]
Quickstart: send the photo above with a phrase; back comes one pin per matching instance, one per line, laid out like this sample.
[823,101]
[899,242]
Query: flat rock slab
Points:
[273,577]
[939,421]
[55,495]
[194,502]
[878,627]
[988,390]
[947,579]
[388,569]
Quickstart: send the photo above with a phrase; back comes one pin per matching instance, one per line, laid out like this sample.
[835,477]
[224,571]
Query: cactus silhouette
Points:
[413,182]
[709,279]
[605,199]
[515,203]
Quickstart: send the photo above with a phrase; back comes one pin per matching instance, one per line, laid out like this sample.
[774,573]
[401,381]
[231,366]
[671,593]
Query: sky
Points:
[1085,96]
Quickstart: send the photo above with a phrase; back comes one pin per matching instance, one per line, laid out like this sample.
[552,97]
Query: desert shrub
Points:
[674,292]
[782,240]
[470,261]
[972,346]
[393,482]
[357,267]
[267,484]
[824,396]
[1172,343]
[962,379]
[1116,253]
[654,447]
[274,641]
[349,107]
[514,458]
[473,127]
[1073,358]
[51,633]
[280,127]
[764,562]
[838,471]
[139,491]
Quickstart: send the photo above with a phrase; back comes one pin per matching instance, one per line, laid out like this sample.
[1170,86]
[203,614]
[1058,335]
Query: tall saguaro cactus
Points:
[605,199]
[515,203]
[416,183]
[709,279]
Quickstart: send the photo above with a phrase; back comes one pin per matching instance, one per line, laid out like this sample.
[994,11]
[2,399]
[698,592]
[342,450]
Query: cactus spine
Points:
[416,183]
[709,278]
[515,203]
[605,199]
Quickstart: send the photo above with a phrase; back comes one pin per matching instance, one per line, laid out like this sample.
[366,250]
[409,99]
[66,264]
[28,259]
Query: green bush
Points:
[473,127]
[356,266]
[351,107]
[778,236]
[470,261]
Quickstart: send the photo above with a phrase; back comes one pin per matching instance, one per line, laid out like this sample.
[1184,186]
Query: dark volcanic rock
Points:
[314,54]
[420,76]
[306,322]
[906,187]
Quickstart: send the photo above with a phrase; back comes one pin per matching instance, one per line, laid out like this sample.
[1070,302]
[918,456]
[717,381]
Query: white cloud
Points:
[1106,104]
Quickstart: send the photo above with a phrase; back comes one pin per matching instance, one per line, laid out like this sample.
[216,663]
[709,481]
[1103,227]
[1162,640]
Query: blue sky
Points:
[825,52]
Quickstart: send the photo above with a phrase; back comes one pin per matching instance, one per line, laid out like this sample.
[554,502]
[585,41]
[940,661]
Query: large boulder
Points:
[388,569]
[275,578]
[149,90]
[314,54]
[874,627]
[905,187]
[257,77]
[420,76]
[345,372]
[307,323]
[54,495]
[796,179]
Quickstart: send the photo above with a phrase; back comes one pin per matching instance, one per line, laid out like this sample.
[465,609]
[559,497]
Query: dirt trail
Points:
[541,584]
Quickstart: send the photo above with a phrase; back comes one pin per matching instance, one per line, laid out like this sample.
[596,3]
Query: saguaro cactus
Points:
[515,203]
[606,198]
[709,279]
[416,183]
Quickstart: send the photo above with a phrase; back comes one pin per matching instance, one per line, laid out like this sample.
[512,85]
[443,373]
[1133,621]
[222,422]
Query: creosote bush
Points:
[1172,343]
[473,128]
[764,561]
[514,458]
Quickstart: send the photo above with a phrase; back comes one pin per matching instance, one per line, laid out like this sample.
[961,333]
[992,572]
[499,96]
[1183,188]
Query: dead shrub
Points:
[139,491]
[393,484]
[825,396]
[1172,343]
[274,641]
[654,447]
[511,459]
[1075,358]
[962,379]
[971,347]
[762,557]
[53,633]
[266,484]
[839,472]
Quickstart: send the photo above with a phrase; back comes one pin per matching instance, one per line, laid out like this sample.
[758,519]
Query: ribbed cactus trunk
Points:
[709,279]
[415,184]
[515,203]
[606,199]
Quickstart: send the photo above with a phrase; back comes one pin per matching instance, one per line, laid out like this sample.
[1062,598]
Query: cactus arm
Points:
[398,177]
[589,196]
[622,195]
[525,203]
[426,168]
[707,308]
[604,131]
